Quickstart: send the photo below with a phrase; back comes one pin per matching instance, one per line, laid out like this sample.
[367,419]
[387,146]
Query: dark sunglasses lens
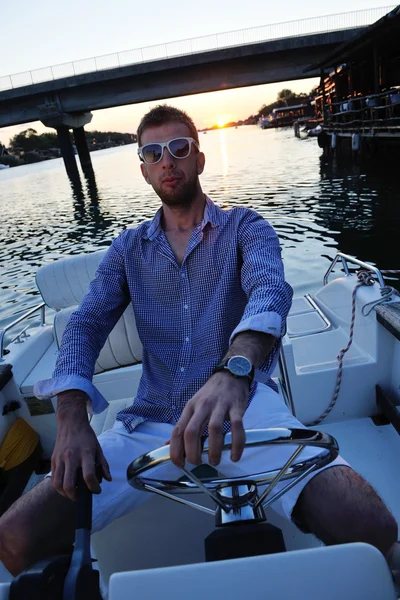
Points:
[179,148]
[152,153]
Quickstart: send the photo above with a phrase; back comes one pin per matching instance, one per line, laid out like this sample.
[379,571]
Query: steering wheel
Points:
[234,496]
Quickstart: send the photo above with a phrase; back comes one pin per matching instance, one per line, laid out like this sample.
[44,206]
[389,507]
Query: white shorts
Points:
[267,409]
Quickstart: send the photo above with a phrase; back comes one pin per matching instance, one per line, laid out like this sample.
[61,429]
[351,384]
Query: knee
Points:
[339,506]
[11,549]
[385,531]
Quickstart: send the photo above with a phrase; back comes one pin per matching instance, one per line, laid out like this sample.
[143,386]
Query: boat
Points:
[4,166]
[158,550]
[265,122]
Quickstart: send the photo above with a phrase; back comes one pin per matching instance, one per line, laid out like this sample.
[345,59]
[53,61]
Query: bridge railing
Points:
[240,37]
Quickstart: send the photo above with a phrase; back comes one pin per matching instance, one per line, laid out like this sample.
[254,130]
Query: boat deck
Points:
[388,315]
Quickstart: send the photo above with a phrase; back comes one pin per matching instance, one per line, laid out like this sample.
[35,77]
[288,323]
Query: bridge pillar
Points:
[63,122]
[67,152]
[83,150]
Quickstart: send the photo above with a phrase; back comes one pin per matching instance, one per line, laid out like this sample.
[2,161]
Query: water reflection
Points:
[224,152]
[87,209]
[361,210]
[315,207]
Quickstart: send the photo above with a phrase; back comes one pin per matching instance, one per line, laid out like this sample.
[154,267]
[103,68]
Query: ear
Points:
[144,173]
[200,161]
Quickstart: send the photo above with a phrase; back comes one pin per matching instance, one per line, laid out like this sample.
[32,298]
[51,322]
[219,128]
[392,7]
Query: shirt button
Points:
[185,306]
[173,406]
[182,369]
[183,275]
[186,339]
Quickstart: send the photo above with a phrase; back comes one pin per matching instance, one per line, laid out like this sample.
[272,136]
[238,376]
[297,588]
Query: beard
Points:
[182,195]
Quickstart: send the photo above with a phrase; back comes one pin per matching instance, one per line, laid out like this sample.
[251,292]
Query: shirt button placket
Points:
[186,320]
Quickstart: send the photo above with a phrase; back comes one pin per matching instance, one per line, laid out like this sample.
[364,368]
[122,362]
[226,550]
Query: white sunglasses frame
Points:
[166,145]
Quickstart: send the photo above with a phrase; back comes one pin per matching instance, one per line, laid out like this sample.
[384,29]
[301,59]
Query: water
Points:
[315,208]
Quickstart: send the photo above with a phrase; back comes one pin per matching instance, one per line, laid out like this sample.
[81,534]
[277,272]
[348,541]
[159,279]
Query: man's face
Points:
[175,180]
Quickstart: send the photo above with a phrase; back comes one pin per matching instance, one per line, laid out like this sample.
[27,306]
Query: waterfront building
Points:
[359,100]
[285,116]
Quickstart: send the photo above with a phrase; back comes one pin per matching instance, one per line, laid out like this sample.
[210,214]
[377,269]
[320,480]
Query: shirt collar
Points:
[212,214]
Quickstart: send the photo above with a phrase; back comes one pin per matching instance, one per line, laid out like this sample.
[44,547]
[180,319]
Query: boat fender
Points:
[355,142]
[333,141]
[323,139]
[20,442]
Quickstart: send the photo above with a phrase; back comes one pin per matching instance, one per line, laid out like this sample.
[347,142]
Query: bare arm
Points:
[222,397]
[254,345]
[76,446]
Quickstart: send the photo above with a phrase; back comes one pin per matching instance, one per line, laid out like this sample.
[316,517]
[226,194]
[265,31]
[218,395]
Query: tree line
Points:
[285,97]
[29,139]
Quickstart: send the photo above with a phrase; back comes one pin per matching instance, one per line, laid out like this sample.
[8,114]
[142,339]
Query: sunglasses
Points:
[178,148]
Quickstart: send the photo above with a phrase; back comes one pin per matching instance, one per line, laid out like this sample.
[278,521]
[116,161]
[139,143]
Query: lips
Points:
[170,180]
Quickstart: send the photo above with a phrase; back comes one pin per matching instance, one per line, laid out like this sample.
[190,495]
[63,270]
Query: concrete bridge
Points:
[64,96]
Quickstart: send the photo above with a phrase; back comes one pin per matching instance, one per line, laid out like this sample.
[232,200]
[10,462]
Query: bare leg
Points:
[339,506]
[38,525]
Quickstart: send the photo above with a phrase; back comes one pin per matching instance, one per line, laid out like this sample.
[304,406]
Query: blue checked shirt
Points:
[231,280]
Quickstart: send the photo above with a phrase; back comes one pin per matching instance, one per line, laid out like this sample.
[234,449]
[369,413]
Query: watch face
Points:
[239,366]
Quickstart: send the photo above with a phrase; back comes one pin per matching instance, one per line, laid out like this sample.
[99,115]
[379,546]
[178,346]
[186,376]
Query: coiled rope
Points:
[364,278]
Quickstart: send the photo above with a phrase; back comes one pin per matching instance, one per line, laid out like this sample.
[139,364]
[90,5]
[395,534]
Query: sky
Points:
[44,33]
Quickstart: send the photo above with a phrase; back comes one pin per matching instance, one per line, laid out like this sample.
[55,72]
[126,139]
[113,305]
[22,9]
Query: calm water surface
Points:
[315,208]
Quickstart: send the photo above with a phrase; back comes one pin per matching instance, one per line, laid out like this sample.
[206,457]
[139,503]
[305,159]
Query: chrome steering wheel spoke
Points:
[215,487]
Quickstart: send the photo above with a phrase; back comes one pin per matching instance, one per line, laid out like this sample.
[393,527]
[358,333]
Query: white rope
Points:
[365,278]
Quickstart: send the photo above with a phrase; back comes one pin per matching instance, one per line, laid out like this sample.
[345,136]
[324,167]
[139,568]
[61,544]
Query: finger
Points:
[216,436]
[192,435]
[238,433]
[70,479]
[57,476]
[102,462]
[89,472]
[177,447]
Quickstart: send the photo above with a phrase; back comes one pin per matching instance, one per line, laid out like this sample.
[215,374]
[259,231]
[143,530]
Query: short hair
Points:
[163,113]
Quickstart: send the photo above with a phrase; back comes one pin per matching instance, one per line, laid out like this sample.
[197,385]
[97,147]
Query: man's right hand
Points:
[76,446]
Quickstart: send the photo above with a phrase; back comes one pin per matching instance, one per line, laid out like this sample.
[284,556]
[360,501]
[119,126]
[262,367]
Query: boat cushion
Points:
[63,284]
[106,419]
[122,347]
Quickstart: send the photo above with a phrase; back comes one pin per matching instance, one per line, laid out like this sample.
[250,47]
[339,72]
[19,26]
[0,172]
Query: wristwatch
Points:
[238,366]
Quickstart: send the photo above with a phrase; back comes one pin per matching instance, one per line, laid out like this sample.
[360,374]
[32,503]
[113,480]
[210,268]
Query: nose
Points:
[167,160]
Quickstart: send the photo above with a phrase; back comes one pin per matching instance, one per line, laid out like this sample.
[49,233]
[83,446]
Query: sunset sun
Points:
[222,121]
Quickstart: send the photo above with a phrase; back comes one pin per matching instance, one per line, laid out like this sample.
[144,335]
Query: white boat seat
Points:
[347,572]
[105,420]
[63,284]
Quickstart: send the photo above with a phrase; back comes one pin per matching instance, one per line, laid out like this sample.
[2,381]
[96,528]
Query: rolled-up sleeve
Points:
[87,331]
[269,296]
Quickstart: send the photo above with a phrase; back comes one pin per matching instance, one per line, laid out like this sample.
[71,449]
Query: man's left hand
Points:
[223,397]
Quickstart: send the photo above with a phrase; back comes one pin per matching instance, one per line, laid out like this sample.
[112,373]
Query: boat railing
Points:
[22,334]
[345,259]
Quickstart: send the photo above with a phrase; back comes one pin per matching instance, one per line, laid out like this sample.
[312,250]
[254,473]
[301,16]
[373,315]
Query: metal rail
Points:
[239,37]
[346,258]
[41,307]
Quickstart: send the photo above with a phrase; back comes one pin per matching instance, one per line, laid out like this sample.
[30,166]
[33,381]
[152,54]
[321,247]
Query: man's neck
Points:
[182,218]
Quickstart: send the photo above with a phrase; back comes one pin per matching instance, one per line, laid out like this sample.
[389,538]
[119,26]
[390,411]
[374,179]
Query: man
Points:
[210,302]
